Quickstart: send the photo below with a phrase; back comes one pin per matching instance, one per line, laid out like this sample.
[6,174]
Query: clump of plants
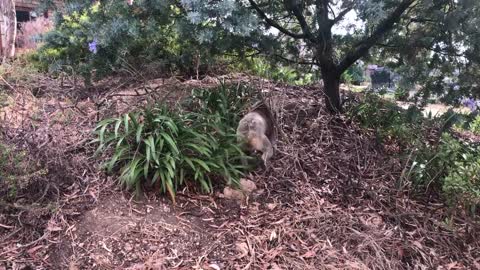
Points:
[16,172]
[475,125]
[169,148]
[435,161]
[290,74]
[453,167]
[94,40]
[353,75]
[401,94]
[389,120]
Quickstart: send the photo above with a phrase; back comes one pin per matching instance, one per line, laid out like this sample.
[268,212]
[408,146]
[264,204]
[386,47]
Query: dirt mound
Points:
[327,202]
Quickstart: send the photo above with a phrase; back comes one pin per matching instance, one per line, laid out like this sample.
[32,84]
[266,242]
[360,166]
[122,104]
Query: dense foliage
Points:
[353,75]
[436,164]
[437,48]
[475,125]
[290,74]
[16,172]
[109,36]
[170,148]
[427,42]
[432,43]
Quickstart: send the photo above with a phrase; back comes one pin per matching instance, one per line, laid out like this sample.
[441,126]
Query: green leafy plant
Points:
[170,148]
[388,119]
[475,125]
[290,74]
[462,184]
[401,94]
[353,75]
[16,172]
[446,166]
[225,101]
[453,166]
[97,39]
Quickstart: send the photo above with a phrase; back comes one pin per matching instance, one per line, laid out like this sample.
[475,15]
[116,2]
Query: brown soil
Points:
[327,202]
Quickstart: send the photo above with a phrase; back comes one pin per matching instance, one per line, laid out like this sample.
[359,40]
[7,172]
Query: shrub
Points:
[21,69]
[8,169]
[453,166]
[462,184]
[401,94]
[353,75]
[226,101]
[96,40]
[448,166]
[475,125]
[16,172]
[290,74]
[462,121]
[169,148]
[388,119]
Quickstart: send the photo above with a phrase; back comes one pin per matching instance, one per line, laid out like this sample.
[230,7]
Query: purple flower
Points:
[470,103]
[92,46]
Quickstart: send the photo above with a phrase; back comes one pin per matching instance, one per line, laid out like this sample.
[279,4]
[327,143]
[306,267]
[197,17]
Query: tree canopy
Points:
[431,43]
[428,41]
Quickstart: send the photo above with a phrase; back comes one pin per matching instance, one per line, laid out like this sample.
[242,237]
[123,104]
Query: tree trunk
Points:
[9,27]
[330,73]
[331,89]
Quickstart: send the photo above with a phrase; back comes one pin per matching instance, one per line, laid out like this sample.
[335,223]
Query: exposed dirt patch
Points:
[121,233]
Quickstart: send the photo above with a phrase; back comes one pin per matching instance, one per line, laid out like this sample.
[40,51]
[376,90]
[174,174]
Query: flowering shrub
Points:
[92,46]
[110,36]
[471,103]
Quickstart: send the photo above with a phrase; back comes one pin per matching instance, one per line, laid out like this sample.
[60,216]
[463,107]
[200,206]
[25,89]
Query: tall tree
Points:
[8,27]
[310,25]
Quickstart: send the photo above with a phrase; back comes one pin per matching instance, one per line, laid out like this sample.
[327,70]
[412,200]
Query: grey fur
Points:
[257,130]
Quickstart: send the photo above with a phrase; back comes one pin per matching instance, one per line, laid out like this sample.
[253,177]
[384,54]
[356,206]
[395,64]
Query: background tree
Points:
[8,27]
[309,26]
[437,49]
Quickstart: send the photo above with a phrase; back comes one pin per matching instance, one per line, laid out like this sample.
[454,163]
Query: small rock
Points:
[273,236]
[128,247]
[242,249]
[247,185]
[271,206]
[232,194]
[275,267]
[214,266]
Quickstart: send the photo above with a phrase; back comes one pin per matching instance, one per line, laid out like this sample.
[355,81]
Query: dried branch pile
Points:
[328,201]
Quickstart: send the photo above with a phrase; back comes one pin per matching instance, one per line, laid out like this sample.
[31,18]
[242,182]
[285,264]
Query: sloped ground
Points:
[327,202]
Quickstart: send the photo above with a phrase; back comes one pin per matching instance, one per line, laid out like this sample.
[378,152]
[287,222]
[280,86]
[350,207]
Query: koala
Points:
[256,129]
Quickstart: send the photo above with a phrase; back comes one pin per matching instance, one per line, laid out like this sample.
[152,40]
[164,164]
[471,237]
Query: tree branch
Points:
[386,25]
[297,12]
[340,15]
[273,23]
[331,10]
[291,61]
